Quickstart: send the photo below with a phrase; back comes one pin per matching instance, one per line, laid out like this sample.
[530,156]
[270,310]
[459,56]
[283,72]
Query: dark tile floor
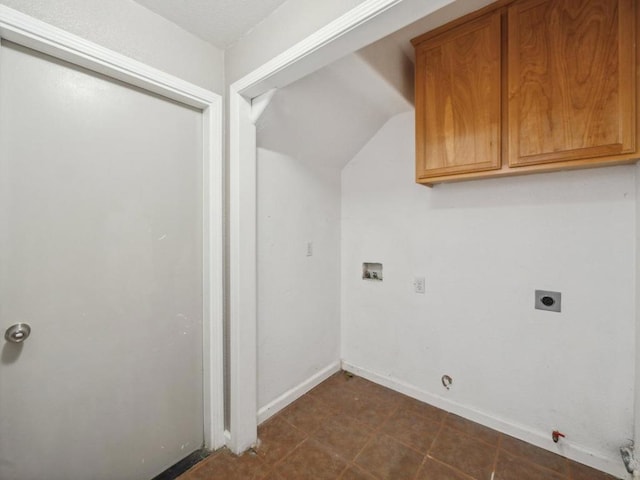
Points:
[348,428]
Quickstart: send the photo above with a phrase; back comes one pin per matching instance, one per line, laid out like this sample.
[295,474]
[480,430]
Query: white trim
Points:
[37,35]
[213,276]
[538,438]
[364,24]
[360,26]
[260,103]
[291,395]
[352,19]
[242,276]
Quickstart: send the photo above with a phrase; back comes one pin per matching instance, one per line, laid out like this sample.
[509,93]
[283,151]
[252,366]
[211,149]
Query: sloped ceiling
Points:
[328,116]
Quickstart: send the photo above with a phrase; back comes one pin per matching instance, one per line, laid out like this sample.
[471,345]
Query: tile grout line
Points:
[433,443]
[465,434]
[495,459]
[426,455]
[309,437]
[292,425]
[405,444]
[455,469]
[297,445]
[275,464]
[442,426]
[472,436]
[527,460]
[343,471]
[459,430]
[361,468]
[372,436]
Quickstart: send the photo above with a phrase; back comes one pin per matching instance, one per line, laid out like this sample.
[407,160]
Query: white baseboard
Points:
[613,466]
[296,392]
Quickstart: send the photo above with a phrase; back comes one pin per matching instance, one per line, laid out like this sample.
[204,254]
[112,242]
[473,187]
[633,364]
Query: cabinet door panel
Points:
[571,72]
[458,100]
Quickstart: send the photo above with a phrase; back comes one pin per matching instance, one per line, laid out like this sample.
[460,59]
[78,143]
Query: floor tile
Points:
[340,379]
[509,467]
[434,470]
[411,429]
[277,438]
[226,466]
[534,454]
[356,473]
[376,392]
[335,383]
[310,461]
[371,412]
[365,408]
[272,476]
[480,432]
[466,453]
[335,395]
[343,435]
[348,428]
[423,409]
[306,413]
[389,459]
[358,404]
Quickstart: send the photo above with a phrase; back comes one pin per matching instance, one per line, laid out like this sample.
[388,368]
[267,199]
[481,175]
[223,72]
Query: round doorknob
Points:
[17,333]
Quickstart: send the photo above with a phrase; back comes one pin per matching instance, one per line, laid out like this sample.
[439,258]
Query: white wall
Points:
[484,247]
[298,295]
[130,29]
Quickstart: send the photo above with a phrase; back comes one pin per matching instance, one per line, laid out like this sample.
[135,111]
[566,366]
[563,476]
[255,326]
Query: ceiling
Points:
[219,22]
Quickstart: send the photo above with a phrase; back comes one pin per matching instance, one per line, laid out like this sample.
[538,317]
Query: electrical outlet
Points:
[546,300]
[418,284]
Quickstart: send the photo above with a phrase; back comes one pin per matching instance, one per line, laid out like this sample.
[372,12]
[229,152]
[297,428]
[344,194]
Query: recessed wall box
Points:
[372,271]
[546,300]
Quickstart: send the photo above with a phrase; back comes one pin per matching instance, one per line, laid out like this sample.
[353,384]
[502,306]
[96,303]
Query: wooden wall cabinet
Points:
[527,86]
[459,80]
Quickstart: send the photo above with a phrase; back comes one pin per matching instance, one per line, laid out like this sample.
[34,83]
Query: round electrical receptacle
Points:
[547,301]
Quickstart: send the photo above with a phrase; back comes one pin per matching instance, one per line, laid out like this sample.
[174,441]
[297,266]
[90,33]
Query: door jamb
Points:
[364,24]
[42,37]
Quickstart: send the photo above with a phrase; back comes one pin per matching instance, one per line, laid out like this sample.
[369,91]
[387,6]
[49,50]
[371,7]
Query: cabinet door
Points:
[571,71]
[458,100]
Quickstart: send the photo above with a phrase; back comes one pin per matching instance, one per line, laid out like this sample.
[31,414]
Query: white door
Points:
[101,254]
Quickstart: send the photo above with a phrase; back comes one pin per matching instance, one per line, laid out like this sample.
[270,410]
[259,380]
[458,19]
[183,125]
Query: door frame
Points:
[369,21]
[42,37]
